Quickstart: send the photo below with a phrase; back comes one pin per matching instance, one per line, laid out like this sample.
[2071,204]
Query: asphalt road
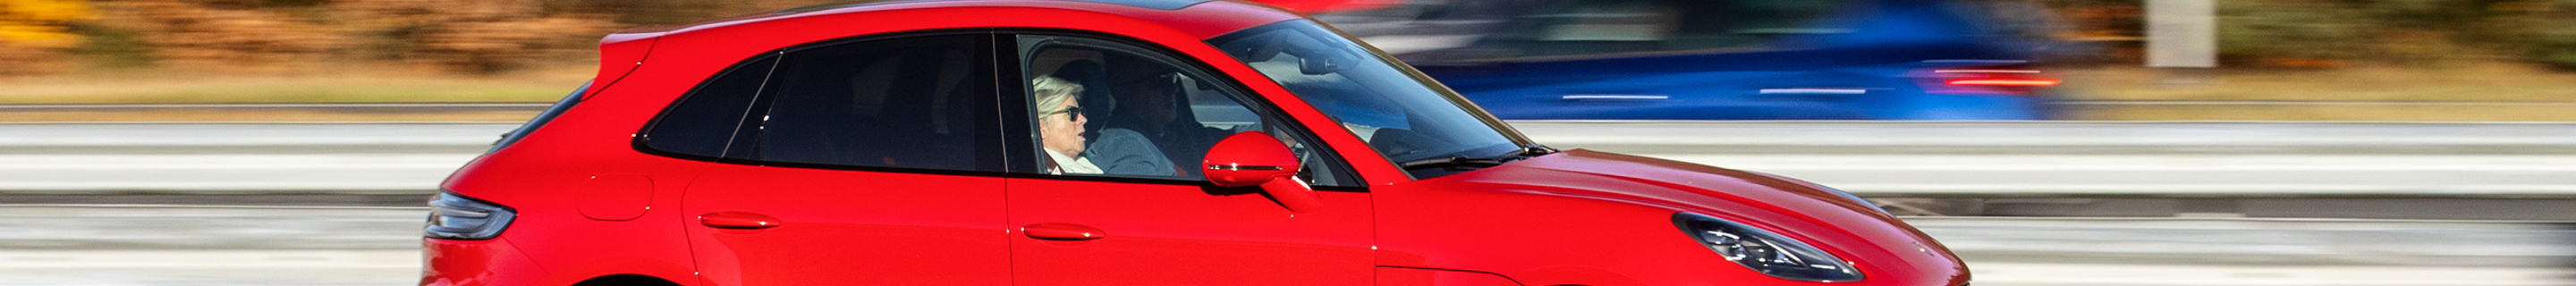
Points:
[208,245]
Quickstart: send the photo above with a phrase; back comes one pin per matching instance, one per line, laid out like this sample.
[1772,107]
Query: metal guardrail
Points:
[1883,159]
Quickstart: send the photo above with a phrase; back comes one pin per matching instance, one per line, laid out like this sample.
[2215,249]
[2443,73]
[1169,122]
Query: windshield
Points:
[1402,114]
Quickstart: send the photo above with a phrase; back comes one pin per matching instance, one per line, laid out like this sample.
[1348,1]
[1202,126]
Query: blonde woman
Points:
[1060,120]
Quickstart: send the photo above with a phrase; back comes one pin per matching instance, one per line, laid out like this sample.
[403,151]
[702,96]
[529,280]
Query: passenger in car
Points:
[1124,145]
[1129,153]
[1060,122]
[1151,110]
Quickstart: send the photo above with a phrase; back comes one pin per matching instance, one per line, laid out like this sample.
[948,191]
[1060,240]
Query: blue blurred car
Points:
[1736,59]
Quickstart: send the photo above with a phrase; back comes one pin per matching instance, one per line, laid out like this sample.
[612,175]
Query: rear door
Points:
[863,162]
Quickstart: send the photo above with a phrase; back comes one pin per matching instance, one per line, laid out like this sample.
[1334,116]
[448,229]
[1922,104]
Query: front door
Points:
[1108,191]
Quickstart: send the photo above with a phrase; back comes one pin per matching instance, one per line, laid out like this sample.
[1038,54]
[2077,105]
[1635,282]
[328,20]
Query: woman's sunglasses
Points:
[1071,113]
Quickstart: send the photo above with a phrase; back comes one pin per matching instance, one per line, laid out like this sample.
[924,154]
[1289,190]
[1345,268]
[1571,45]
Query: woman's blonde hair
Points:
[1054,91]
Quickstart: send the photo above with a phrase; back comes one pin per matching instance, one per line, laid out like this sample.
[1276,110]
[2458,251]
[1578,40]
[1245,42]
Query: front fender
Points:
[1536,237]
[1590,218]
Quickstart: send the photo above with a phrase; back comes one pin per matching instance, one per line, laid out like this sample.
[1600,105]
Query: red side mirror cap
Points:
[1249,159]
[1256,159]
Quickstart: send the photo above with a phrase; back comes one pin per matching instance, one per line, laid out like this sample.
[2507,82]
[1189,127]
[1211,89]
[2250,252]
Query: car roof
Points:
[1209,17]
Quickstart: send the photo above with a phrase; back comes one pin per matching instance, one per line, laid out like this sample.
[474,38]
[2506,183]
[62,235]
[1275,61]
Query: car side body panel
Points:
[1169,234]
[471,263]
[1581,217]
[541,177]
[841,227]
[544,175]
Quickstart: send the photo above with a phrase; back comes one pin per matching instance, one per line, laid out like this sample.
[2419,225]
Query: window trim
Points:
[641,140]
[762,102]
[1005,57]
[1017,123]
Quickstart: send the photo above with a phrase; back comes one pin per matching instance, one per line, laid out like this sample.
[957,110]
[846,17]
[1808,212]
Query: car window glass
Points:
[704,121]
[918,102]
[1103,108]
[1397,111]
[542,118]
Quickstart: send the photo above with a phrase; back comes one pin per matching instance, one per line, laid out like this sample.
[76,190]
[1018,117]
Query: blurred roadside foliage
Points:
[31,31]
[2555,33]
[484,37]
[2313,34]
[328,36]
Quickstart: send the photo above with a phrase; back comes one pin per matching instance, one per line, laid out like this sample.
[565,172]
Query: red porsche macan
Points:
[1098,142]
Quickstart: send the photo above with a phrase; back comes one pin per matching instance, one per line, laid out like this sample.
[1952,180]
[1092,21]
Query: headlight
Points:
[1766,252]
[453,216]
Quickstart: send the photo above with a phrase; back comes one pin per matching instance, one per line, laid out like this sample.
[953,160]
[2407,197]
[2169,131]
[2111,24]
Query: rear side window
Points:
[922,102]
[704,122]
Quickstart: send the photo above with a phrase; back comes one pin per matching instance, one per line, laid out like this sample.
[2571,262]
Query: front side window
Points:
[1106,108]
[915,103]
[1399,112]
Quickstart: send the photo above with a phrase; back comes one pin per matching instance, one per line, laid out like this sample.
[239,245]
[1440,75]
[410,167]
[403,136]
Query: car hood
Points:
[1679,184]
[1810,212]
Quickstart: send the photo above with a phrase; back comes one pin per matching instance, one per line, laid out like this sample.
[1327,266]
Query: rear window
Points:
[540,121]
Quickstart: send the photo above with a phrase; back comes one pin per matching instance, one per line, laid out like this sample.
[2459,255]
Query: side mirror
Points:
[1256,159]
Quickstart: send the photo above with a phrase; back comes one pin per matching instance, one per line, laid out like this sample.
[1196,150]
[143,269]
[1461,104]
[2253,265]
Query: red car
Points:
[1099,142]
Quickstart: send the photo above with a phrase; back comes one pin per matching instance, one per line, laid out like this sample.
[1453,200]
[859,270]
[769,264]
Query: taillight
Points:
[1991,77]
[453,216]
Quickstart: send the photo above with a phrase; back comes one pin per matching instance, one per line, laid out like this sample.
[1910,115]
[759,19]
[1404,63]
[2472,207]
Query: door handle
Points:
[737,220]
[1062,231]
